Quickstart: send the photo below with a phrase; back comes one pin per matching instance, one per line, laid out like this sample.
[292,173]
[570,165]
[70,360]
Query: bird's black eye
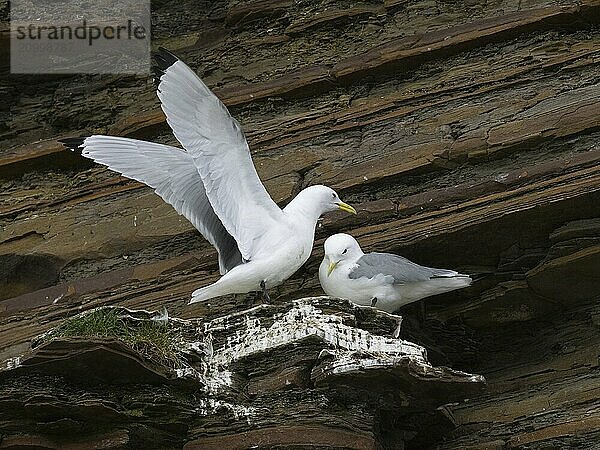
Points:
[344,252]
[333,194]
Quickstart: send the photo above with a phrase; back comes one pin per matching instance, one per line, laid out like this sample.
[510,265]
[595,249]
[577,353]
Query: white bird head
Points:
[324,199]
[341,248]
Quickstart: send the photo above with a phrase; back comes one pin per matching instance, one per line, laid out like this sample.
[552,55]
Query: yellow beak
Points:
[346,207]
[331,267]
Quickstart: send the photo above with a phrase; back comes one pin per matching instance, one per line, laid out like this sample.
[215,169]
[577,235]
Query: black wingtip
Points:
[157,74]
[163,59]
[74,144]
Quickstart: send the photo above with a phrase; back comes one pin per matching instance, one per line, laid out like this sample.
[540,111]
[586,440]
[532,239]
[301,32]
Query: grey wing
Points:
[174,177]
[400,269]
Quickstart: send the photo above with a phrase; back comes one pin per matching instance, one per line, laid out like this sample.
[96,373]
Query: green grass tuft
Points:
[153,340]
[153,337]
[102,322]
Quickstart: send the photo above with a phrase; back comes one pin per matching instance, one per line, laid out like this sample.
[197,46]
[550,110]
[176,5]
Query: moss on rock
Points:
[155,340]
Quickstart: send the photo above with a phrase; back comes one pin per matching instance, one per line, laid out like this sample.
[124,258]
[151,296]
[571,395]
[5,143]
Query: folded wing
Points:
[174,177]
[396,269]
[220,153]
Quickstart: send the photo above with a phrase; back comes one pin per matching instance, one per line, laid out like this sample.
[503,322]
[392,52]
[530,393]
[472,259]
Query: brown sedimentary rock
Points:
[464,133]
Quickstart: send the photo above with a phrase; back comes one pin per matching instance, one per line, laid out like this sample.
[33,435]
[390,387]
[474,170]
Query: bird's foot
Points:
[396,333]
[422,314]
[265,294]
[373,302]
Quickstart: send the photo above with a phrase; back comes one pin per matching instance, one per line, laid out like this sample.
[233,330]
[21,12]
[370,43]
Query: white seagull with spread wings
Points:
[213,183]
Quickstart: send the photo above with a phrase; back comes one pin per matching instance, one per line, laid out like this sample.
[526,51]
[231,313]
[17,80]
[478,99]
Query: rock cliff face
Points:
[315,371]
[466,136]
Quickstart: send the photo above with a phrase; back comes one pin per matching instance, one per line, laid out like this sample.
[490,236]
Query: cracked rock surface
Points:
[232,376]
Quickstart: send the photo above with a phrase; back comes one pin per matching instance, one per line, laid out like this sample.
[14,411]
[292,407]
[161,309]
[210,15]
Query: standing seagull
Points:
[213,183]
[382,280]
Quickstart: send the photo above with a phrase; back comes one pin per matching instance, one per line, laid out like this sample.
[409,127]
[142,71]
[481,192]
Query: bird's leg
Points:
[396,333]
[265,294]
[373,302]
[422,313]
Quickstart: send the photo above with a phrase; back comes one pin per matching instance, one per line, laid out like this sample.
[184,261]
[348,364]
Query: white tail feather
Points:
[207,292]
[445,284]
